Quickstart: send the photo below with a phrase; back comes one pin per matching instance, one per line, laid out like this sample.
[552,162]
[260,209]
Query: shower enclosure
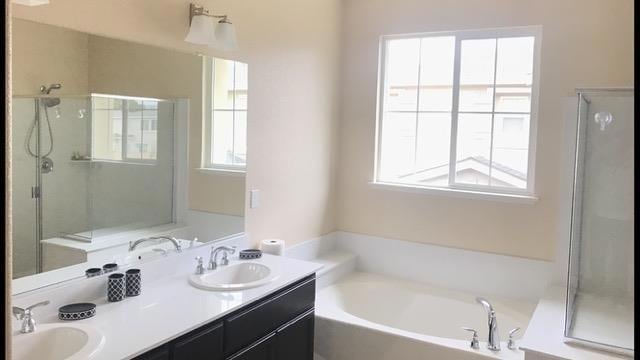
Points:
[599,308]
[81,167]
[43,181]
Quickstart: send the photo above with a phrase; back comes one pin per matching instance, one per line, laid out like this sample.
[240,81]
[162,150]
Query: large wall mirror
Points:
[101,137]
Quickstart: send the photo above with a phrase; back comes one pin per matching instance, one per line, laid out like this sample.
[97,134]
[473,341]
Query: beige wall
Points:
[291,47]
[584,43]
[46,55]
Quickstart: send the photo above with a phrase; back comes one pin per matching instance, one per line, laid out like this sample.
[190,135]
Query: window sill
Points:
[226,172]
[460,193]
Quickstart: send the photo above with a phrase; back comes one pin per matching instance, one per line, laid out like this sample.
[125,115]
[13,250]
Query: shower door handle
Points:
[35,192]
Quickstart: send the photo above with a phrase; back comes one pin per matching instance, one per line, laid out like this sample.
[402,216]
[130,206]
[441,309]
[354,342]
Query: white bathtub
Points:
[366,316]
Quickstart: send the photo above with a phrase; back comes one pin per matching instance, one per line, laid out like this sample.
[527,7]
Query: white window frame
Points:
[474,190]
[207,164]
[123,146]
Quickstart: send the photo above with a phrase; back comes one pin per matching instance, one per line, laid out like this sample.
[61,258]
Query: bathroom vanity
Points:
[278,326]
[174,319]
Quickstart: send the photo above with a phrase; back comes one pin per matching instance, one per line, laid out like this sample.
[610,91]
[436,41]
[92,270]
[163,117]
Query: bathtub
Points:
[366,316]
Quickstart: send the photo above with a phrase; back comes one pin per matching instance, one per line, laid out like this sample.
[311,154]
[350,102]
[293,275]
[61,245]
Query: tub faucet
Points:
[174,241]
[493,342]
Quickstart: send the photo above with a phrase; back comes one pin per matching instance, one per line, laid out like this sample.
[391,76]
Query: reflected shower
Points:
[48,102]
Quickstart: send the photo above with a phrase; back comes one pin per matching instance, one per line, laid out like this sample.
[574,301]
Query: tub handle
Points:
[511,344]
[475,343]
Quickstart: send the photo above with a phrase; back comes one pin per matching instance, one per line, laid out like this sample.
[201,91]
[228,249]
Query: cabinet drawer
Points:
[263,349]
[201,344]
[250,325]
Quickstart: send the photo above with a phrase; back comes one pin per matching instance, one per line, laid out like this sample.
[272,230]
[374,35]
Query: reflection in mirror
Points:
[100,143]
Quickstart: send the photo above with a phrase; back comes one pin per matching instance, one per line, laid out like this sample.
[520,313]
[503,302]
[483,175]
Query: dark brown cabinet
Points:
[201,345]
[159,353]
[278,326]
[295,339]
[263,349]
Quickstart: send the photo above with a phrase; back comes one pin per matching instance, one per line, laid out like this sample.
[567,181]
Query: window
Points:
[225,147]
[124,129]
[457,110]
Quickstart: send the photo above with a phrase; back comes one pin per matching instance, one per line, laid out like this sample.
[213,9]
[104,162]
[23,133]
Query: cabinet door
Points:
[263,349]
[161,353]
[255,321]
[201,345]
[294,340]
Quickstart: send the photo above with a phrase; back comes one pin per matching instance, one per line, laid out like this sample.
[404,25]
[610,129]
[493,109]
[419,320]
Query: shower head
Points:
[47,90]
[50,101]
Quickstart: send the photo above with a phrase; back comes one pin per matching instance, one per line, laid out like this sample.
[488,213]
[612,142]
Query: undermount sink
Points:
[57,342]
[233,277]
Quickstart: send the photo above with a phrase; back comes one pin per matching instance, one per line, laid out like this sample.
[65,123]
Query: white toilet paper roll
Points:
[272,246]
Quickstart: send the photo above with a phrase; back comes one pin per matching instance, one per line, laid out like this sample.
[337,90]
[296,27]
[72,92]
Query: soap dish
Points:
[250,254]
[77,311]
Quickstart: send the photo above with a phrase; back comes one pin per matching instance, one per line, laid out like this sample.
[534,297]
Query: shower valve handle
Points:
[511,344]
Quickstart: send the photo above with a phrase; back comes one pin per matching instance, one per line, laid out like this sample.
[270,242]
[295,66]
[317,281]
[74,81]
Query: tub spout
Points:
[493,341]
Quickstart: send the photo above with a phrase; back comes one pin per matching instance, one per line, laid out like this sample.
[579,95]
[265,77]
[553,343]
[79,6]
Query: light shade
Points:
[201,31]
[225,36]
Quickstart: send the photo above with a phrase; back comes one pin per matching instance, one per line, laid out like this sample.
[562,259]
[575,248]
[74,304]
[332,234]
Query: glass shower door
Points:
[66,184]
[23,185]
[600,308]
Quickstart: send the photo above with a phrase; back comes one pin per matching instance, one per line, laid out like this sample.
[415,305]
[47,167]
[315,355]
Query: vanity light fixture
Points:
[203,32]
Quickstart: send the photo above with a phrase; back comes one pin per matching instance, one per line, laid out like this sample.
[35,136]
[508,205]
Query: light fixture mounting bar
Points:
[196,10]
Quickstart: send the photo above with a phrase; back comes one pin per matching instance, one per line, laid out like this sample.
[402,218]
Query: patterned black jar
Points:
[134,282]
[116,287]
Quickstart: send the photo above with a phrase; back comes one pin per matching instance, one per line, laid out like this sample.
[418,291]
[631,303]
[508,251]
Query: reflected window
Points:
[226,82]
[124,129]
[456,110]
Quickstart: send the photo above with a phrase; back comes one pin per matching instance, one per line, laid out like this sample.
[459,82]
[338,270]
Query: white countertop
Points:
[545,333]
[168,306]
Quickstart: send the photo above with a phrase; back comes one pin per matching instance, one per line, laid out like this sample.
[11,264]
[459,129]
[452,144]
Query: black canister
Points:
[91,272]
[133,282]
[116,287]
[107,268]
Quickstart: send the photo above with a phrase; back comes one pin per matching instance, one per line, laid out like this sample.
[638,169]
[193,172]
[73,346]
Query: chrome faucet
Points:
[213,258]
[493,341]
[133,245]
[26,315]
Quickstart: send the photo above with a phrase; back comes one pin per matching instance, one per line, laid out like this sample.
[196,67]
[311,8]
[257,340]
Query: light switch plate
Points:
[254,199]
